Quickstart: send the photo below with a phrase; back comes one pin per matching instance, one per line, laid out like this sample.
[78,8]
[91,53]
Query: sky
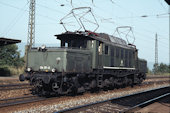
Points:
[145,17]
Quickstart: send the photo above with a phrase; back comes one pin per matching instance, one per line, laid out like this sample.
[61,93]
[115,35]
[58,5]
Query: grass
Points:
[16,71]
[11,70]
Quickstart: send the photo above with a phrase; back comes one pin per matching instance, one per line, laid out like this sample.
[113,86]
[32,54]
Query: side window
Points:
[126,58]
[92,44]
[112,52]
[122,53]
[62,43]
[117,52]
[126,54]
[100,48]
[106,49]
[66,44]
[130,58]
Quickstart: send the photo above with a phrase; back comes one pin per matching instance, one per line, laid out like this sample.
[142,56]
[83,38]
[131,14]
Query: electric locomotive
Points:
[85,61]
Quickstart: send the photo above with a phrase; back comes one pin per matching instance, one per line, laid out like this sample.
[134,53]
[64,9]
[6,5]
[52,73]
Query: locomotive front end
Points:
[43,65]
[54,69]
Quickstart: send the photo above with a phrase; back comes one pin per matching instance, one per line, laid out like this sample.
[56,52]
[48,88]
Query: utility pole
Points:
[156,53]
[31,25]
[169,36]
[168,2]
[31,30]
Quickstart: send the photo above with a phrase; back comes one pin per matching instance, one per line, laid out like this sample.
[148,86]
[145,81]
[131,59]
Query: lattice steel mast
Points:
[31,24]
[156,52]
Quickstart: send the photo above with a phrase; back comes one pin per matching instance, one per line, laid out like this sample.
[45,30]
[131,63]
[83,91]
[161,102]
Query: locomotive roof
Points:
[111,40]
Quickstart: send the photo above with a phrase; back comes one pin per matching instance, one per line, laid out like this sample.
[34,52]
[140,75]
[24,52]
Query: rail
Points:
[156,77]
[14,86]
[121,104]
[146,103]
[19,100]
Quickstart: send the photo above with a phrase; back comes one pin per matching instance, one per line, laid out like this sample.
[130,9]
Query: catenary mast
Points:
[156,53]
[31,25]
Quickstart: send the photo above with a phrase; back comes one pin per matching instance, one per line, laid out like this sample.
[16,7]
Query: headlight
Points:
[53,70]
[41,67]
[43,47]
[28,69]
[58,59]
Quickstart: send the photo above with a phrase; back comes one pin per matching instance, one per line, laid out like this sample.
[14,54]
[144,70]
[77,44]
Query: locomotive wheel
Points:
[37,87]
[112,85]
[74,90]
[55,87]
[93,84]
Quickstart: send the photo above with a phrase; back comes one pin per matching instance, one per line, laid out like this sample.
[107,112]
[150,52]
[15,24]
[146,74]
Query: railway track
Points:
[32,98]
[121,104]
[146,103]
[27,85]
[19,100]
[156,77]
[154,82]
[14,86]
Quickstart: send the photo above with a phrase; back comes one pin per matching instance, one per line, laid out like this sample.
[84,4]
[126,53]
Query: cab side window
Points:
[117,52]
[100,48]
[126,58]
[106,50]
[130,58]
[122,53]
[112,52]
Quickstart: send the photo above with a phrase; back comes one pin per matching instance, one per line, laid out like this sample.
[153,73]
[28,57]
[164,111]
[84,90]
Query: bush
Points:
[10,61]
[10,70]
[5,71]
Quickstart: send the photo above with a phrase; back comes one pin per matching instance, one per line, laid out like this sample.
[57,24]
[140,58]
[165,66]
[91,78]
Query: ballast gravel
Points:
[86,98]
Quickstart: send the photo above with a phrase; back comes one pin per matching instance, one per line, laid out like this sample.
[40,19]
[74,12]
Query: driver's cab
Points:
[75,41]
[74,44]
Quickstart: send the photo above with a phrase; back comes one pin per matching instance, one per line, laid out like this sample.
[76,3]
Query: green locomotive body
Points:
[59,60]
[84,61]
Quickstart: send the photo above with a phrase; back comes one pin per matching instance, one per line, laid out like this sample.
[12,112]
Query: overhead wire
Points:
[15,20]
[159,1]
[162,43]
[10,5]
[136,16]
[38,14]
[107,28]
[147,36]
[103,10]
[51,9]
[44,7]
[146,40]
[134,12]
[146,46]
[27,10]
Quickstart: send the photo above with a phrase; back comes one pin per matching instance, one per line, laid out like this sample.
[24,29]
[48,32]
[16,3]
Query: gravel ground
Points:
[61,103]
[66,101]
[14,93]
[157,79]
[10,80]
[22,92]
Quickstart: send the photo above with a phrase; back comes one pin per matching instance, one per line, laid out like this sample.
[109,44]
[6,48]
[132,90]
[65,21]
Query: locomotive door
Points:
[100,55]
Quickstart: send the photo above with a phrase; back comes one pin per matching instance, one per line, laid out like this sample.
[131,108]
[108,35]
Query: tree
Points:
[155,68]
[162,68]
[9,55]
